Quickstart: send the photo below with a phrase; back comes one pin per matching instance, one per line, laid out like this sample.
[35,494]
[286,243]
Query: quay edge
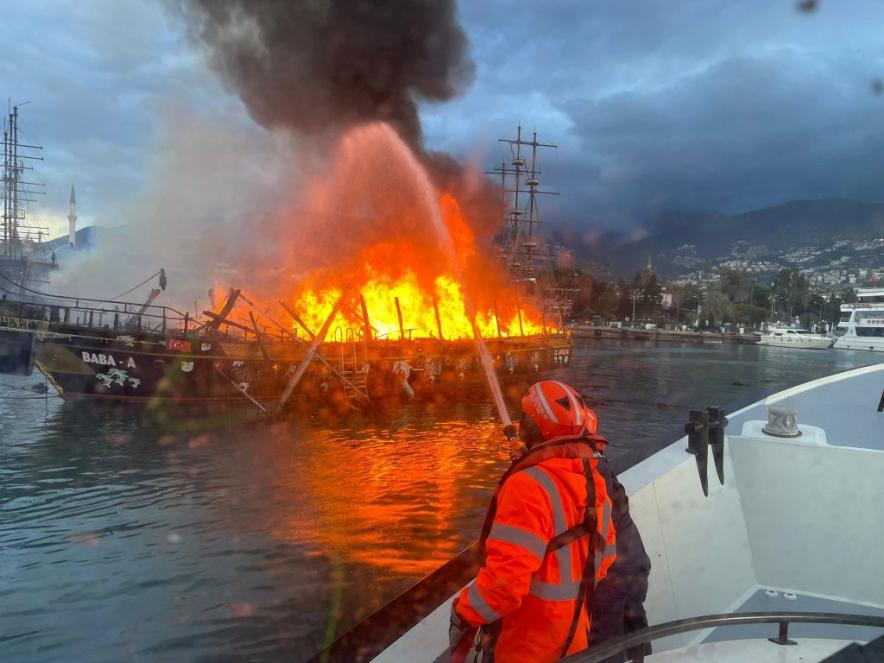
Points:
[637,334]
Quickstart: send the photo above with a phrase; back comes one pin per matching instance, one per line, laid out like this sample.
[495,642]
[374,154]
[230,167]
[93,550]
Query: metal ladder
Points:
[351,366]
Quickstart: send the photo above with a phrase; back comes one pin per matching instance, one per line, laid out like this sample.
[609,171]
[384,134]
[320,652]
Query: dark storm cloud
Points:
[745,132]
[316,67]
[696,104]
[655,104]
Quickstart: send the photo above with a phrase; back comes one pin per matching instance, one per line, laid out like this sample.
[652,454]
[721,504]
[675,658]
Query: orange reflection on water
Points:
[406,501]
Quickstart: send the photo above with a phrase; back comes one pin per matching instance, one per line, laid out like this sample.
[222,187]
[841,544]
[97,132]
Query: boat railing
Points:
[19,301]
[623,643]
[855,306]
[115,316]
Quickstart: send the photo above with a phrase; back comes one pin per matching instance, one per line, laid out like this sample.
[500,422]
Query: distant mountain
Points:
[679,241]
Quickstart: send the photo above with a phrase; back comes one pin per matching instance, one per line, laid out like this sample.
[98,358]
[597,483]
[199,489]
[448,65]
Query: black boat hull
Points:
[153,368]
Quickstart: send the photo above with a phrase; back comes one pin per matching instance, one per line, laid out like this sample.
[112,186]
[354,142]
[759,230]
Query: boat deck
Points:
[757,651]
[863,429]
[798,514]
[778,600]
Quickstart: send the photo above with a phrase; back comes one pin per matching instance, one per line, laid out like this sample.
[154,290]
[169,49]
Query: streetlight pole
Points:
[635,294]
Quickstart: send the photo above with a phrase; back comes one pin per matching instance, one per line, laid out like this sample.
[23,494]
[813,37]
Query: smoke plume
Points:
[227,205]
[320,66]
[203,207]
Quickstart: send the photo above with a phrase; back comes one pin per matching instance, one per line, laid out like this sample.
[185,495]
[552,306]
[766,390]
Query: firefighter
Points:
[547,540]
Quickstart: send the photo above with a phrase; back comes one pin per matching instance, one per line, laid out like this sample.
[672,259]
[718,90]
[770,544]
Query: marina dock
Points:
[672,335]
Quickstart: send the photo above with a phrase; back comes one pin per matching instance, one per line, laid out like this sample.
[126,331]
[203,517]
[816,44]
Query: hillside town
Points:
[748,289]
[839,267]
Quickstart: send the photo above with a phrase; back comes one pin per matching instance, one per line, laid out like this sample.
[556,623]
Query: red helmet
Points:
[558,410]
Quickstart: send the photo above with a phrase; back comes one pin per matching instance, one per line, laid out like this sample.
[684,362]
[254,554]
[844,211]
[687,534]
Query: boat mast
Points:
[523,250]
[522,234]
[17,190]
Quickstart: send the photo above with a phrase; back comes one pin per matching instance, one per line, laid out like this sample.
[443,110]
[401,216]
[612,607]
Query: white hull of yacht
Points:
[862,322]
[794,527]
[868,343]
[797,341]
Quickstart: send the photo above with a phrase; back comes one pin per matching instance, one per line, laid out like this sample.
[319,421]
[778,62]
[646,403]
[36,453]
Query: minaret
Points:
[72,219]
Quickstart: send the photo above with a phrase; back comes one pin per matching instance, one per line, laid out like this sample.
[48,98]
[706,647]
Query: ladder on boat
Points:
[353,366]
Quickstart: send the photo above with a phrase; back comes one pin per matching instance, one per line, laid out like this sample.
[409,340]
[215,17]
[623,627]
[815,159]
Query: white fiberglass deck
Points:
[844,406]
[802,515]
[780,600]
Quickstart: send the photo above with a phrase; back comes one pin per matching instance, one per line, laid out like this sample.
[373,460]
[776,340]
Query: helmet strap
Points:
[529,431]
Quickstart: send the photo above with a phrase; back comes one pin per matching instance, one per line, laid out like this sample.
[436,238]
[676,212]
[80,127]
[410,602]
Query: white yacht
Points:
[790,337]
[773,556]
[862,324]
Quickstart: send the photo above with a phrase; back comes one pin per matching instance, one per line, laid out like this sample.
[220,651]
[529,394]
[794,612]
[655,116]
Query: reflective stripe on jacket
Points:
[533,592]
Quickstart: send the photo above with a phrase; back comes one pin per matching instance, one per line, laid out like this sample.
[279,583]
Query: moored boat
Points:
[89,349]
[791,337]
[862,323]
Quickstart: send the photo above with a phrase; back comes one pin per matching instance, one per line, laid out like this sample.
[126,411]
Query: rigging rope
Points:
[152,276]
[73,299]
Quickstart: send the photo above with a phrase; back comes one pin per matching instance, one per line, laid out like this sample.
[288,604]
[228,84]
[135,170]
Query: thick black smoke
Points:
[318,66]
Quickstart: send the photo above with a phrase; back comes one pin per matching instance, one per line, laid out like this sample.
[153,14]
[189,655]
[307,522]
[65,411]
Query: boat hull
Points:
[797,342]
[162,370]
[868,343]
[16,351]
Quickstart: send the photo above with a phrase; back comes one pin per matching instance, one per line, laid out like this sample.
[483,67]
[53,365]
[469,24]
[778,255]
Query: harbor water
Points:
[123,536]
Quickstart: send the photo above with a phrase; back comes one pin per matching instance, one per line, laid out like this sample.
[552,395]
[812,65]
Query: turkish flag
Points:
[179,345]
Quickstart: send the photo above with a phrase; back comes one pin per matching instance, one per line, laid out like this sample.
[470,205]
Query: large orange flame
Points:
[372,232]
[387,271]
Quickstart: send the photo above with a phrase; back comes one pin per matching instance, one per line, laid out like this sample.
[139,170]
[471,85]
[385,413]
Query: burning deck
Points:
[108,351]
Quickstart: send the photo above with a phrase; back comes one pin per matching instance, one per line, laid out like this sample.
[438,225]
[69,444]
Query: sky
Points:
[655,105]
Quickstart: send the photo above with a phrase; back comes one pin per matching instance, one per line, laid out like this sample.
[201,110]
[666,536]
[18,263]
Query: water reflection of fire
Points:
[370,232]
[411,500]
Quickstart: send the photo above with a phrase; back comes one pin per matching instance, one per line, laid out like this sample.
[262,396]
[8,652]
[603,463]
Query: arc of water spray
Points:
[428,194]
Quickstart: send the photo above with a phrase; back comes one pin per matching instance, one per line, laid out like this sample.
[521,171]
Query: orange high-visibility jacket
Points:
[532,593]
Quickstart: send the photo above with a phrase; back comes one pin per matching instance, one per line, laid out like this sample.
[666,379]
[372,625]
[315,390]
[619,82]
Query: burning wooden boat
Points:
[401,296]
[93,349]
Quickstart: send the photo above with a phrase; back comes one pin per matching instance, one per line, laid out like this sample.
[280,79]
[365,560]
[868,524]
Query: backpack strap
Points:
[566,447]
[587,582]
[568,537]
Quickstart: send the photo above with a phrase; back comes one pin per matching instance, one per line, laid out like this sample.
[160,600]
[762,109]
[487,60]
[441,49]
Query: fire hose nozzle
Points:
[510,432]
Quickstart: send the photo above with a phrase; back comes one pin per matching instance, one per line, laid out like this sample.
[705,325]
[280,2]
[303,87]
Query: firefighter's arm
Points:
[514,550]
